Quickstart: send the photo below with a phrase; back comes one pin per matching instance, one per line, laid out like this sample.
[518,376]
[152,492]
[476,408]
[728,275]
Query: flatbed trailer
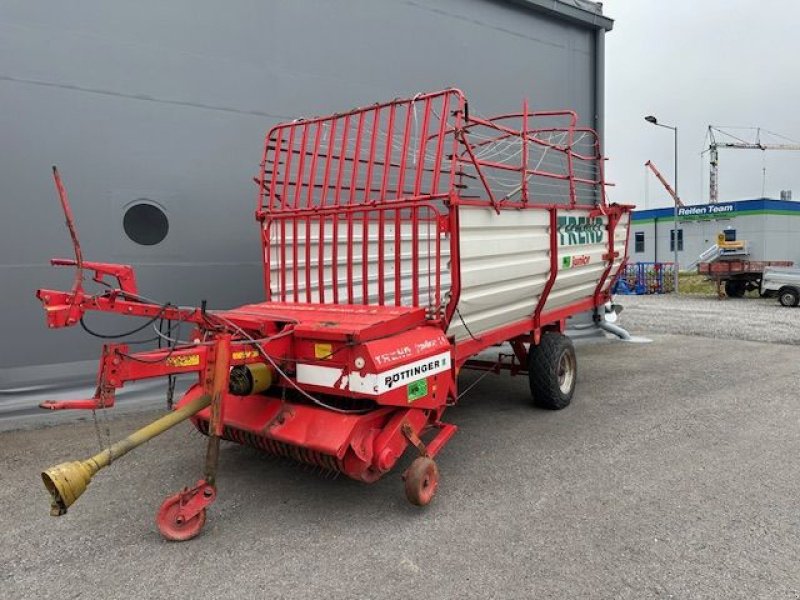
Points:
[400,241]
[736,276]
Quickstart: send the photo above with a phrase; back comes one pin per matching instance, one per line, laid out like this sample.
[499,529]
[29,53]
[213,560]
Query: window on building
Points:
[638,241]
[672,240]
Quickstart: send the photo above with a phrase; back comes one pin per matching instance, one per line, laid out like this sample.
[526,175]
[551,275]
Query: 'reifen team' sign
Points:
[706,211]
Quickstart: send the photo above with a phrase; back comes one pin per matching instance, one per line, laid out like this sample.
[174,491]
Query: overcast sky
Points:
[693,63]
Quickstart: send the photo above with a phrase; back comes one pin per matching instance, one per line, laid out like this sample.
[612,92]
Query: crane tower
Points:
[751,140]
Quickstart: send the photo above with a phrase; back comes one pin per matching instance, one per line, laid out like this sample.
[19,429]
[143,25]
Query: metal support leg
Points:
[182,516]
[216,385]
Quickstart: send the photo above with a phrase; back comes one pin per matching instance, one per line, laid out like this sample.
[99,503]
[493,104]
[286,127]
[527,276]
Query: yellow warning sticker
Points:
[187,360]
[244,354]
[323,351]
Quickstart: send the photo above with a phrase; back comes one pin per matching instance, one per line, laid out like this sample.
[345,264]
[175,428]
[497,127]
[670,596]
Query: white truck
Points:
[783,281]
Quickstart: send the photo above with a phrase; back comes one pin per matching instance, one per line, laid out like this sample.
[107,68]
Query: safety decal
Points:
[323,351]
[417,390]
[187,360]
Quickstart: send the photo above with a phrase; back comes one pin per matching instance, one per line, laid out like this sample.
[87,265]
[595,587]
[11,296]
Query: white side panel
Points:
[505,264]
[288,247]
[582,244]
[331,377]
[373,384]
[620,245]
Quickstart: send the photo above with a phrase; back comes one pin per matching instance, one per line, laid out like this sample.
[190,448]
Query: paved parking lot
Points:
[673,474]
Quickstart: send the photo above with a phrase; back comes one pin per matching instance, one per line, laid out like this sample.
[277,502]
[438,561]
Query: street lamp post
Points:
[654,121]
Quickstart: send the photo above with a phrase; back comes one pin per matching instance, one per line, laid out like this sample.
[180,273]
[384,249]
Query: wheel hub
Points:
[566,372]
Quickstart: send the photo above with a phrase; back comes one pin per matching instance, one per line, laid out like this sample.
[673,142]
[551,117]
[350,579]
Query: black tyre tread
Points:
[542,361]
[783,291]
[735,289]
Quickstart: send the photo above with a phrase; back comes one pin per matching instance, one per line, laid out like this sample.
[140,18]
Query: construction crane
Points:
[664,182]
[740,143]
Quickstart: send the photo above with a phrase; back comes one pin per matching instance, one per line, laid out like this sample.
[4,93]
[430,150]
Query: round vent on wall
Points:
[145,223]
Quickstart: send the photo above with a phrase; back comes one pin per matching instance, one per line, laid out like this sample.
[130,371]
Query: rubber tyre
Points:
[552,371]
[421,481]
[788,297]
[735,288]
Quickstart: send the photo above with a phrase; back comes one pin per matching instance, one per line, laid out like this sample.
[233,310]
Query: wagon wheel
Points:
[552,371]
[172,526]
[421,480]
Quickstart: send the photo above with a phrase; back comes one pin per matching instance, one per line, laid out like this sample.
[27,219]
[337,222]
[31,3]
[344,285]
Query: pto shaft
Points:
[67,481]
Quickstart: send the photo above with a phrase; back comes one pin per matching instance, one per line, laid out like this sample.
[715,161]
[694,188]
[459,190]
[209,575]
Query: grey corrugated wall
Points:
[170,101]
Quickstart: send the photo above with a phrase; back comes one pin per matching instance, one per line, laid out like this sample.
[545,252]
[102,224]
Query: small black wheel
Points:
[552,371]
[789,296]
[735,288]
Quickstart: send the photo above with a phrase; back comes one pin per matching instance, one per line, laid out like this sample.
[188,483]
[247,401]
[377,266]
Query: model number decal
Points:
[393,355]
[579,260]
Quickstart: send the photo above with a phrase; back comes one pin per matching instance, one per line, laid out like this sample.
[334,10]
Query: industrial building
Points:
[156,113]
[770,228]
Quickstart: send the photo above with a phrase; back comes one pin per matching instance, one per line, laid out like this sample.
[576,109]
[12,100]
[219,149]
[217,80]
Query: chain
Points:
[97,429]
[107,428]
[170,391]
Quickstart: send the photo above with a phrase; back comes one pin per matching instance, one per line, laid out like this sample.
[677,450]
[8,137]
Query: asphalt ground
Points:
[674,473]
[754,319]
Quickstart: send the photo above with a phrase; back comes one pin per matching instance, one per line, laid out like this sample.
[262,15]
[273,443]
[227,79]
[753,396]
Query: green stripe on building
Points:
[727,217]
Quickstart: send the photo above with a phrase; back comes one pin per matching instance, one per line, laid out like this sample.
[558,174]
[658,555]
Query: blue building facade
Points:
[771,229]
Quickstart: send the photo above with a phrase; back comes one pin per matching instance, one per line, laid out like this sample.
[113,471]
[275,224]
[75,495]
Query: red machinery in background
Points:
[400,240]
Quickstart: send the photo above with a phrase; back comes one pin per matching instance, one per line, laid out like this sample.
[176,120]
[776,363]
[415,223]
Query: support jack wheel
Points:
[421,480]
[181,517]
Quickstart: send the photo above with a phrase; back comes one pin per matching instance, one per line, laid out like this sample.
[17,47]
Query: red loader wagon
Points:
[400,240]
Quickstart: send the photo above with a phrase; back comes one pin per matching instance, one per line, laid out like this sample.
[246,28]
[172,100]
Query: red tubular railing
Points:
[380,186]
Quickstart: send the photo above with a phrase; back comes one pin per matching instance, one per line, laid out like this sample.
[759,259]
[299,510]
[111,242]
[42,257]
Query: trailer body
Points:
[737,276]
[400,240]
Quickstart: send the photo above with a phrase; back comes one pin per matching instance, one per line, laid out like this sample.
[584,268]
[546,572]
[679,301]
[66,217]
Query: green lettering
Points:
[562,224]
[573,236]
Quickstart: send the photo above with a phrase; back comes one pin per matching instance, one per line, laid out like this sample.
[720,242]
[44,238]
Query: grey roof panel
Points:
[578,11]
